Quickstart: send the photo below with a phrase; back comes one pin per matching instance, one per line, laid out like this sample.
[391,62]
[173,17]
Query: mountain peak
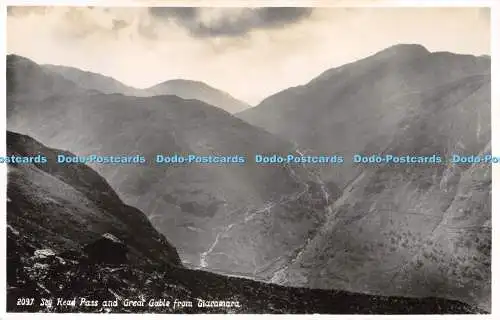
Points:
[193,89]
[405,49]
[183,83]
[14,58]
[186,81]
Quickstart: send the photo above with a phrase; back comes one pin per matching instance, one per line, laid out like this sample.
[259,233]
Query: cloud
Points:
[26,10]
[119,24]
[485,14]
[141,49]
[183,13]
[230,22]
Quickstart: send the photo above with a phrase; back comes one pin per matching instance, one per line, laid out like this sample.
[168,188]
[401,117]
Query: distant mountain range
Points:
[93,81]
[411,230]
[69,236]
[186,89]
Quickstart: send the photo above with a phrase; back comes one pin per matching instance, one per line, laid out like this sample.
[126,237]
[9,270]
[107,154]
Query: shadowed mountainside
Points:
[47,199]
[396,229]
[211,212]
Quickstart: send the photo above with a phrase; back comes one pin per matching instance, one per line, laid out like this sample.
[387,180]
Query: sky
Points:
[250,53]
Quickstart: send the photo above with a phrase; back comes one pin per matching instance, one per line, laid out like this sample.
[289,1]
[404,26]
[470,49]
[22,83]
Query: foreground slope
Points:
[47,199]
[211,212]
[54,214]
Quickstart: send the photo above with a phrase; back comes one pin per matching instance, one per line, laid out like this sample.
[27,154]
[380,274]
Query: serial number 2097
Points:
[25,301]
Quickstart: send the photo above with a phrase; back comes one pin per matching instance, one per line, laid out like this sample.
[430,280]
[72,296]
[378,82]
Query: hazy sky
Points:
[249,53]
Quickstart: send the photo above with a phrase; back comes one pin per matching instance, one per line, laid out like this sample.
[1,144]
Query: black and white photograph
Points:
[248,160]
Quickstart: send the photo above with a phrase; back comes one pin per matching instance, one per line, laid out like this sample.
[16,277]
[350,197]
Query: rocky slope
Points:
[396,229]
[47,199]
[73,246]
[233,217]
[414,229]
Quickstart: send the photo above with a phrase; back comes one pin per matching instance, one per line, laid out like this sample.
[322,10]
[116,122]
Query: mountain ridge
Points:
[282,114]
[410,51]
[193,89]
[418,104]
[184,88]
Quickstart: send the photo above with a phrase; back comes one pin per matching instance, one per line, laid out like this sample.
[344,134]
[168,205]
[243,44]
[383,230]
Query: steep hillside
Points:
[396,229]
[188,89]
[68,206]
[211,212]
[422,228]
[73,246]
[360,106]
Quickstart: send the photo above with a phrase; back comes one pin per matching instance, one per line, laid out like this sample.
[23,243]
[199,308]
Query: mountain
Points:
[420,229]
[93,81]
[186,89]
[231,217]
[46,200]
[359,107]
[189,89]
[35,83]
[378,229]
[74,246]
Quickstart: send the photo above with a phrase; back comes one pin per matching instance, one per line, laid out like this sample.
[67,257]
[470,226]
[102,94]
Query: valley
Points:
[393,230]
[74,246]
